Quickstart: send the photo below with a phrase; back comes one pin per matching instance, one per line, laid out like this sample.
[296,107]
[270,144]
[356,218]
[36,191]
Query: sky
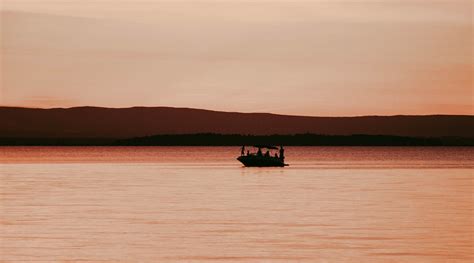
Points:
[315,58]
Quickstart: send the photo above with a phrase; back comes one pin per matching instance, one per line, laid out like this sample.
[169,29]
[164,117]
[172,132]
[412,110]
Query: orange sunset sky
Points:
[329,58]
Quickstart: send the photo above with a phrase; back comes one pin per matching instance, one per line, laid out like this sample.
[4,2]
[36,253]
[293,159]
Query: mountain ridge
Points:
[222,111]
[102,122]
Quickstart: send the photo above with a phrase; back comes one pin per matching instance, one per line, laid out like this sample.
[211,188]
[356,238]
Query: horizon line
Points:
[238,112]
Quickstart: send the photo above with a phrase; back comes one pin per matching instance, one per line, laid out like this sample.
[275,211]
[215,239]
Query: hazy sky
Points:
[293,57]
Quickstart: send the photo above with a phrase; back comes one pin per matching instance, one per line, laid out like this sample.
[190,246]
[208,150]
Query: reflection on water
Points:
[197,204]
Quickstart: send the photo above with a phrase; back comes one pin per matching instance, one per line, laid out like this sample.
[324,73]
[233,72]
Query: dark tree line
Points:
[211,139]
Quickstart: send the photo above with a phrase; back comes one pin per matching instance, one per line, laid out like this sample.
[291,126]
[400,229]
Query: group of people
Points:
[267,153]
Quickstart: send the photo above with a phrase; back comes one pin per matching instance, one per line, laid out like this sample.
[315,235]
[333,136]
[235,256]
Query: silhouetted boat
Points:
[259,159]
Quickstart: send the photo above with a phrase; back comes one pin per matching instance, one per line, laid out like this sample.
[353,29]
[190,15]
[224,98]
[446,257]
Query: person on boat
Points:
[242,151]
[282,153]
[267,154]
[248,152]
[259,152]
[276,155]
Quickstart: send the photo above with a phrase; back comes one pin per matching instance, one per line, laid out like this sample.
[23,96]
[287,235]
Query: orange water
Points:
[197,204]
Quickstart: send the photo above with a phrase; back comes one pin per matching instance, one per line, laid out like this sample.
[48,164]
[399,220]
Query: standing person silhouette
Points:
[242,151]
[282,154]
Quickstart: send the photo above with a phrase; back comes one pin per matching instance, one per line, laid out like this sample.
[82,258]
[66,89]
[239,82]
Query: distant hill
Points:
[111,123]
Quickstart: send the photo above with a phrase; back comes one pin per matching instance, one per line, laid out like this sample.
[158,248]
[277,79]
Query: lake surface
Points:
[198,204]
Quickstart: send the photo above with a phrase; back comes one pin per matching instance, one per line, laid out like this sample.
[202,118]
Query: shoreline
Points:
[210,139]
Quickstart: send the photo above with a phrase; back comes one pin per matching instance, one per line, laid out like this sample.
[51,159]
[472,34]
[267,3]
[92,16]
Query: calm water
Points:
[197,204]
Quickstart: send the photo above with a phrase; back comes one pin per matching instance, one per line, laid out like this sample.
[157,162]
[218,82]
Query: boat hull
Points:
[260,161]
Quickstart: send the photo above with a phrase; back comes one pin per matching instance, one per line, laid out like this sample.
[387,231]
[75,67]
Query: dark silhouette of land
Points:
[86,124]
[210,139]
